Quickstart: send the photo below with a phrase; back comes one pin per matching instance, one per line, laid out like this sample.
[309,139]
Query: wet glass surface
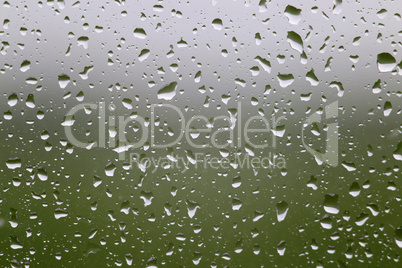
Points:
[200,133]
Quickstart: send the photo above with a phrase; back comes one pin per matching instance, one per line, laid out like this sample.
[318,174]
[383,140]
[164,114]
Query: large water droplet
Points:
[140,33]
[192,208]
[168,92]
[63,81]
[295,41]
[293,14]
[13,163]
[385,62]
[60,213]
[25,66]
[285,80]
[42,174]
[398,152]
[217,24]
[331,203]
[398,236]
[110,169]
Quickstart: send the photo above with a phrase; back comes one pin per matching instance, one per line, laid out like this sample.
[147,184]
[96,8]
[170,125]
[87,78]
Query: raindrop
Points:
[192,207]
[110,169]
[387,108]
[144,54]
[236,182]
[12,100]
[361,219]
[398,152]
[83,41]
[15,243]
[281,248]
[310,77]
[385,62]
[350,166]
[168,92]
[236,204]
[293,14]
[13,163]
[281,210]
[60,213]
[140,33]
[25,66]
[331,203]
[147,197]
[354,189]
[64,80]
[285,80]
[398,236]
[326,222]
[217,24]
[30,102]
[295,41]
[42,174]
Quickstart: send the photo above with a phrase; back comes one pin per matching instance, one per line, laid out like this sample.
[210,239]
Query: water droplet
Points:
[83,41]
[110,169]
[217,24]
[361,219]
[30,102]
[12,100]
[15,243]
[60,213]
[144,54]
[398,152]
[398,236]
[168,92]
[295,41]
[310,77]
[354,189]
[282,210]
[236,204]
[140,33]
[13,163]
[326,222]
[64,80]
[192,207]
[338,86]
[83,74]
[236,182]
[197,77]
[312,183]
[281,248]
[147,197]
[382,13]
[377,87]
[385,62]
[25,66]
[387,108]
[42,174]
[285,80]
[373,209]
[265,64]
[350,166]
[331,203]
[293,14]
